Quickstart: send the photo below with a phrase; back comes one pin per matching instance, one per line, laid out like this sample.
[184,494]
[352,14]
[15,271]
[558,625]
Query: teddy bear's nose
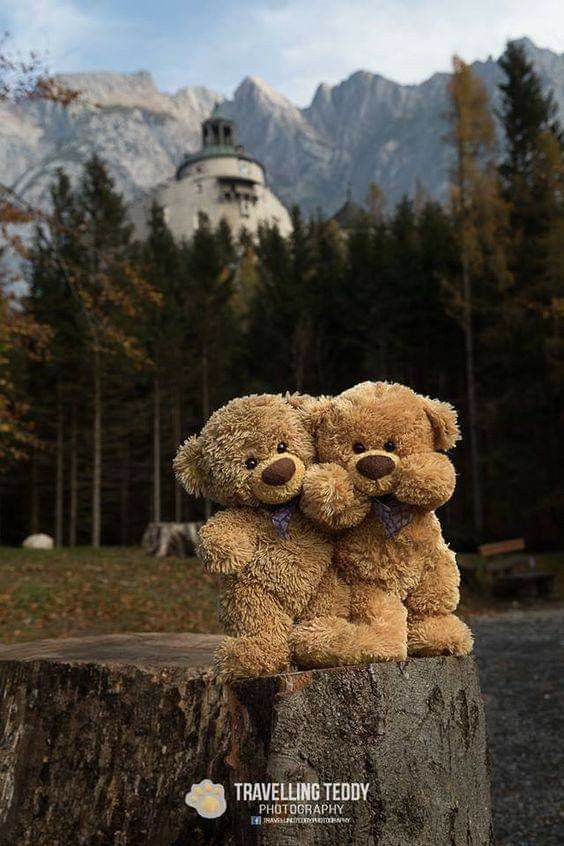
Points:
[279,472]
[375,466]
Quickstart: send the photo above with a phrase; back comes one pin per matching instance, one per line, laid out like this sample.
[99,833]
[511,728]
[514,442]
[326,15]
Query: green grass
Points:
[84,591]
[65,593]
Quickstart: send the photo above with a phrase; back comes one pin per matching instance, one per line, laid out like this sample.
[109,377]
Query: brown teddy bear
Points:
[383,475]
[251,457]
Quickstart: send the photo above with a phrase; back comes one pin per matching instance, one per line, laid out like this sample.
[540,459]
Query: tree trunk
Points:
[124,494]
[101,739]
[177,437]
[35,522]
[177,539]
[206,407]
[156,450]
[97,453]
[59,481]
[73,503]
[471,400]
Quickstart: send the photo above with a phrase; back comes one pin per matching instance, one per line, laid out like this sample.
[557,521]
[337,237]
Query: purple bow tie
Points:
[393,514]
[281,516]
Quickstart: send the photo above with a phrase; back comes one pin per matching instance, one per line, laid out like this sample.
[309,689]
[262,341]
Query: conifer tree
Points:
[114,295]
[532,168]
[480,221]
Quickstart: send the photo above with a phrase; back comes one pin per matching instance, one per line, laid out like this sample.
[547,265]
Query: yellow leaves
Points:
[480,214]
[24,79]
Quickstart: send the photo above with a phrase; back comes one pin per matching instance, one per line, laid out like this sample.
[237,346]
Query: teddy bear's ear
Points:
[187,466]
[310,409]
[444,422]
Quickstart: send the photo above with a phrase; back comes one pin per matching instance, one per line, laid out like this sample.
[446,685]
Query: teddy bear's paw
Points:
[330,499]
[441,635]
[207,798]
[385,643]
[249,657]
[319,642]
[333,641]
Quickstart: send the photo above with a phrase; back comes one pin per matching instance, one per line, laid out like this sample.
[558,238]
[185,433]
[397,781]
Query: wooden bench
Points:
[514,572]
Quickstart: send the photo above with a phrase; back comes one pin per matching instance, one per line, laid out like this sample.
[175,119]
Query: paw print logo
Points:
[207,798]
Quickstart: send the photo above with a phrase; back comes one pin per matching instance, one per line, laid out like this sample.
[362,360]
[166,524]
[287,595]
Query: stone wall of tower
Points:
[201,191]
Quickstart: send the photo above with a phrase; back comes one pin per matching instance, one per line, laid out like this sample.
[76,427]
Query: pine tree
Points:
[480,221]
[532,167]
[533,180]
[114,295]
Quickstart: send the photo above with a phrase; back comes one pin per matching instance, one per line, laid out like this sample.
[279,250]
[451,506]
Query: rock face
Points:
[39,541]
[365,129]
[101,739]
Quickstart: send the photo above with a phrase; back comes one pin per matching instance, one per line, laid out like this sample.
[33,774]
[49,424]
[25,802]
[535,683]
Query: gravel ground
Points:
[520,659]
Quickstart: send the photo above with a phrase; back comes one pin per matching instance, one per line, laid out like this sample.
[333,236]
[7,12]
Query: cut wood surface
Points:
[177,539]
[102,737]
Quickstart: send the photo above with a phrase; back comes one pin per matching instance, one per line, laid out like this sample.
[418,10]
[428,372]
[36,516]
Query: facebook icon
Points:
[256,820]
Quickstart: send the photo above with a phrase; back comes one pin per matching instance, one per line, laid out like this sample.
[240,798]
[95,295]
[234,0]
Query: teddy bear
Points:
[383,472]
[251,457]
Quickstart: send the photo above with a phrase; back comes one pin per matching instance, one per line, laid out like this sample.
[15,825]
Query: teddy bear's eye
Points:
[251,463]
[390,446]
[282,447]
[359,447]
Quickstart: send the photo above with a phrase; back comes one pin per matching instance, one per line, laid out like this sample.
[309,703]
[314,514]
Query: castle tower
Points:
[222,181]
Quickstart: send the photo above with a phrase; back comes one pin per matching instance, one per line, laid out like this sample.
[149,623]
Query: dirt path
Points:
[520,658]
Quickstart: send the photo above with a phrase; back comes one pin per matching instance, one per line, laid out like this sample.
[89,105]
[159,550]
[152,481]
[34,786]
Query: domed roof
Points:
[348,215]
[218,139]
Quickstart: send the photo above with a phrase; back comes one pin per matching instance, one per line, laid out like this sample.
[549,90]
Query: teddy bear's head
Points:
[389,438]
[252,451]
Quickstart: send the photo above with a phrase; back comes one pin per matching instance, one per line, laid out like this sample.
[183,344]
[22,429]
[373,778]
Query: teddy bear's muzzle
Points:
[375,466]
[277,480]
[279,472]
[374,473]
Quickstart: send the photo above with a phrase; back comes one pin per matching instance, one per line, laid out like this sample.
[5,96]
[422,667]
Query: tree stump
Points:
[102,737]
[179,539]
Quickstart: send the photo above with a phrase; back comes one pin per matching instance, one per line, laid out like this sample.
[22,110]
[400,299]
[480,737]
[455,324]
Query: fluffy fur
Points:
[404,588]
[266,581]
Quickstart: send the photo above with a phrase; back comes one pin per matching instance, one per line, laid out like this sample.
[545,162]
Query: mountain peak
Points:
[255,87]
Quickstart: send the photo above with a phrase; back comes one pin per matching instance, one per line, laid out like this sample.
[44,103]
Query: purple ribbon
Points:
[281,516]
[394,515]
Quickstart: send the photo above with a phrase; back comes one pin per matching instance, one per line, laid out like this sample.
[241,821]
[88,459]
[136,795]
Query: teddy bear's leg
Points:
[433,628]
[443,634]
[377,631]
[316,641]
[437,591]
[386,615]
[259,628]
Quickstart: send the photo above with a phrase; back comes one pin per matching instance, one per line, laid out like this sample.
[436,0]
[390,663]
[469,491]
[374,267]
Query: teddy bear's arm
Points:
[426,480]
[227,541]
[330,499]
[438,589]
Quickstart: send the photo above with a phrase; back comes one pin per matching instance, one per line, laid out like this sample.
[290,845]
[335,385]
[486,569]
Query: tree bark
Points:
[177,437]
[124,494]
[59,481]
[34,510]
[101,738]
[179,539]
[97,453]
[156,450]
[73,481]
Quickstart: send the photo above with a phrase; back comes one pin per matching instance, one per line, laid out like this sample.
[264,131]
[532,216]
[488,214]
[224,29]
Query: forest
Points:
[120,349]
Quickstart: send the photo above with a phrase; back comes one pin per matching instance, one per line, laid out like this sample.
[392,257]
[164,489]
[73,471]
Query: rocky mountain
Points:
[367,128]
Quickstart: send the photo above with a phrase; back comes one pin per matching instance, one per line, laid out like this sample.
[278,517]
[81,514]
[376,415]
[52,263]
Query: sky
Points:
[292,44]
